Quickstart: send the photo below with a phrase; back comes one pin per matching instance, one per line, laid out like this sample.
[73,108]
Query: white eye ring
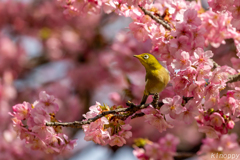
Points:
[146,56]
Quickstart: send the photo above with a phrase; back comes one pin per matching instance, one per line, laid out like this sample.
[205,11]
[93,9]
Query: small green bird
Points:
[157,77]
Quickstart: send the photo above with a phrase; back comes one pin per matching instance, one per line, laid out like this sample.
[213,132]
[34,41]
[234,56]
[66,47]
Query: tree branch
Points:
[78,124]
[133,108]
[234,78]
[162,22]
[215,65]
[137,115]
[131,111]
[183,155]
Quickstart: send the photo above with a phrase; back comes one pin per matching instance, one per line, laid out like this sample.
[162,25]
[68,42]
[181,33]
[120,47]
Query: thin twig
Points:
[162,22]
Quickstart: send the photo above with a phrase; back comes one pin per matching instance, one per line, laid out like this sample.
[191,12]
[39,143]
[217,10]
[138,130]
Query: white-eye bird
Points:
[157,77]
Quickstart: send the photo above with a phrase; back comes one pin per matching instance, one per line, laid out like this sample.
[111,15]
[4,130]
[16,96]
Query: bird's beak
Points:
[137,56]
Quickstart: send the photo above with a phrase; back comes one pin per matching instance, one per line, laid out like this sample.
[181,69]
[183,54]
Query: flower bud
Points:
[230,124]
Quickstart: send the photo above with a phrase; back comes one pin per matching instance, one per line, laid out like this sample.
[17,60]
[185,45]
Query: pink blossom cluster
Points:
[172,107]
[164,149]
[231,6]
[29,121]
[192,80]
[188,35]
[106,130]
[219,119]
[195,78]
[214,124]
[13,147]
[185,22]
[189,31]
[215,116]
[218,27]
[226,144]
[156,119]
[85,7]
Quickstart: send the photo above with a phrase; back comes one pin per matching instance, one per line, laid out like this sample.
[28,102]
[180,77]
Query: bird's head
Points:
[148,61]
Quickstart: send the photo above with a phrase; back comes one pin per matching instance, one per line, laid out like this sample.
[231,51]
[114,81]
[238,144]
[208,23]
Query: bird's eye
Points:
[146,56]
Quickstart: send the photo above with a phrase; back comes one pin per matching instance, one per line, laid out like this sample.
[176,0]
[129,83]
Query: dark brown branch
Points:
[162,22]
[215,65]
[80,123]
[77,124]
[234,78]
[155,103]
[186,99]
[137,115]
[131,111]
[183,155]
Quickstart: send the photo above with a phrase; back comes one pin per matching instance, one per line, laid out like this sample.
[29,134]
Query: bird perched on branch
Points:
[157,77]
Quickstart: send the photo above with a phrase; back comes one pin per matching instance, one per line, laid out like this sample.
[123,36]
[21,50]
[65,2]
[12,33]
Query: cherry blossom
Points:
[182,61]
[191,110]
[202,58]
[228,105]
[190,17]
[172,106]
[21,111]
[156,119]
[216,119]
[210,132]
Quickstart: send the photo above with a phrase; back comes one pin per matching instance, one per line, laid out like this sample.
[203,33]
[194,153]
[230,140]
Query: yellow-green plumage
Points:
[157,77]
